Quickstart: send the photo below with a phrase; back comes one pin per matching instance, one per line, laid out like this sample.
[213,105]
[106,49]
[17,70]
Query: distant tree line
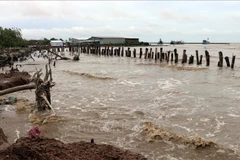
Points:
[12,37]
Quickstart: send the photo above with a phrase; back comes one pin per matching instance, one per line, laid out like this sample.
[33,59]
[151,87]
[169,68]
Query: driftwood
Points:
[43,89]
[76,57]
[18,88]
[43,96]
[62,58]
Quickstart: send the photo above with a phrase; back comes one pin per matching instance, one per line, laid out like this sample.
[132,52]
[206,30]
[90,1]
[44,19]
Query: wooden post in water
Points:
[197,57]
[200,62]
[119,50]
[168,55]
[140,55]
[99,50]
[233,61]
[134,52]
[146,51]
[129,52]
[156,56]
[184,57]
[111,51]
[220,62]
[207,58]
[150,53]
[176,55]
[227,61]
[122,52]
[191,59]
[161,55]
[171,57]
[107,50]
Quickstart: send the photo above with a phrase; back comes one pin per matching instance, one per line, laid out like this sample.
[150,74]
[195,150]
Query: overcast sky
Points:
[148,20]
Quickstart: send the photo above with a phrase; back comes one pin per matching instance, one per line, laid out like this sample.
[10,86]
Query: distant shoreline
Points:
[168,43]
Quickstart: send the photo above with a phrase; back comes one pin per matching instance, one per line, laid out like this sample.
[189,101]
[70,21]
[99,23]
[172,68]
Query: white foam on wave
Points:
[219,125]
[57,101]
[74,107]
[18,134]
[233,115]
[168,84]
[204,119]
[185,128]
[129,83]
[210,134]
[96,100]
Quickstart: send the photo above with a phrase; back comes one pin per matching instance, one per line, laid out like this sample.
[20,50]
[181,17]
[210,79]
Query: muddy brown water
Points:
[109,99]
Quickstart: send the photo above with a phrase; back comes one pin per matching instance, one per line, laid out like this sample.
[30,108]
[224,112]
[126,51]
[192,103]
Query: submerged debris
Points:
[34,132]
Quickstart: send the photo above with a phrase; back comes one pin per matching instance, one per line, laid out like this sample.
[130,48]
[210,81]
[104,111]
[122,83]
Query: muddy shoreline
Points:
[51,149]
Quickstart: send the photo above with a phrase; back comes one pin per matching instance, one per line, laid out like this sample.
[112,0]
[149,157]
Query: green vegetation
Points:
[11,37]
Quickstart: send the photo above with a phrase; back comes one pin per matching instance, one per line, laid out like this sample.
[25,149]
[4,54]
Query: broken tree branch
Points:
[31,85]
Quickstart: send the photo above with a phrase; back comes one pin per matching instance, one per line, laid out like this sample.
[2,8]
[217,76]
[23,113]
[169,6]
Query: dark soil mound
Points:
[3,140]
[13,79]
[51,149]
[3,137]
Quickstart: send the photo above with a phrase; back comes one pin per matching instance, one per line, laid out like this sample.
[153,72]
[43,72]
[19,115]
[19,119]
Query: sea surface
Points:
[110,98]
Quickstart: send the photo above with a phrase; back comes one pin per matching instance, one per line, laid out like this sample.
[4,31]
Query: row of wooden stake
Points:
[149,54]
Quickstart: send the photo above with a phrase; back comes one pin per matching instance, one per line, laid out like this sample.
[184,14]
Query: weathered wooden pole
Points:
[156,55]
[171,57]
[168,55]
[140,55]
[161,54]
[119,50]
[146,52]
[200,62]
[134,52]
[184,57]
[197,57]
[129,52]
[99,50]
[220,62]
[111,51]
[207,58]
[176,55]
[150,54]
[227,61]
[191,59]
[233,61]
[108,51]
[122,52]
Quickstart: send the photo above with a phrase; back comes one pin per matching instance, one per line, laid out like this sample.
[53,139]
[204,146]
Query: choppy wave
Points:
[175,67]
[155,133]
[42,118]
[88,75]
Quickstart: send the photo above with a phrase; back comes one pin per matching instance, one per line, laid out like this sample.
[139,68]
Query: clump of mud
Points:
[51,149]
[3,140]
[88,75]
[13,79]
[3,137]
[155,133]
